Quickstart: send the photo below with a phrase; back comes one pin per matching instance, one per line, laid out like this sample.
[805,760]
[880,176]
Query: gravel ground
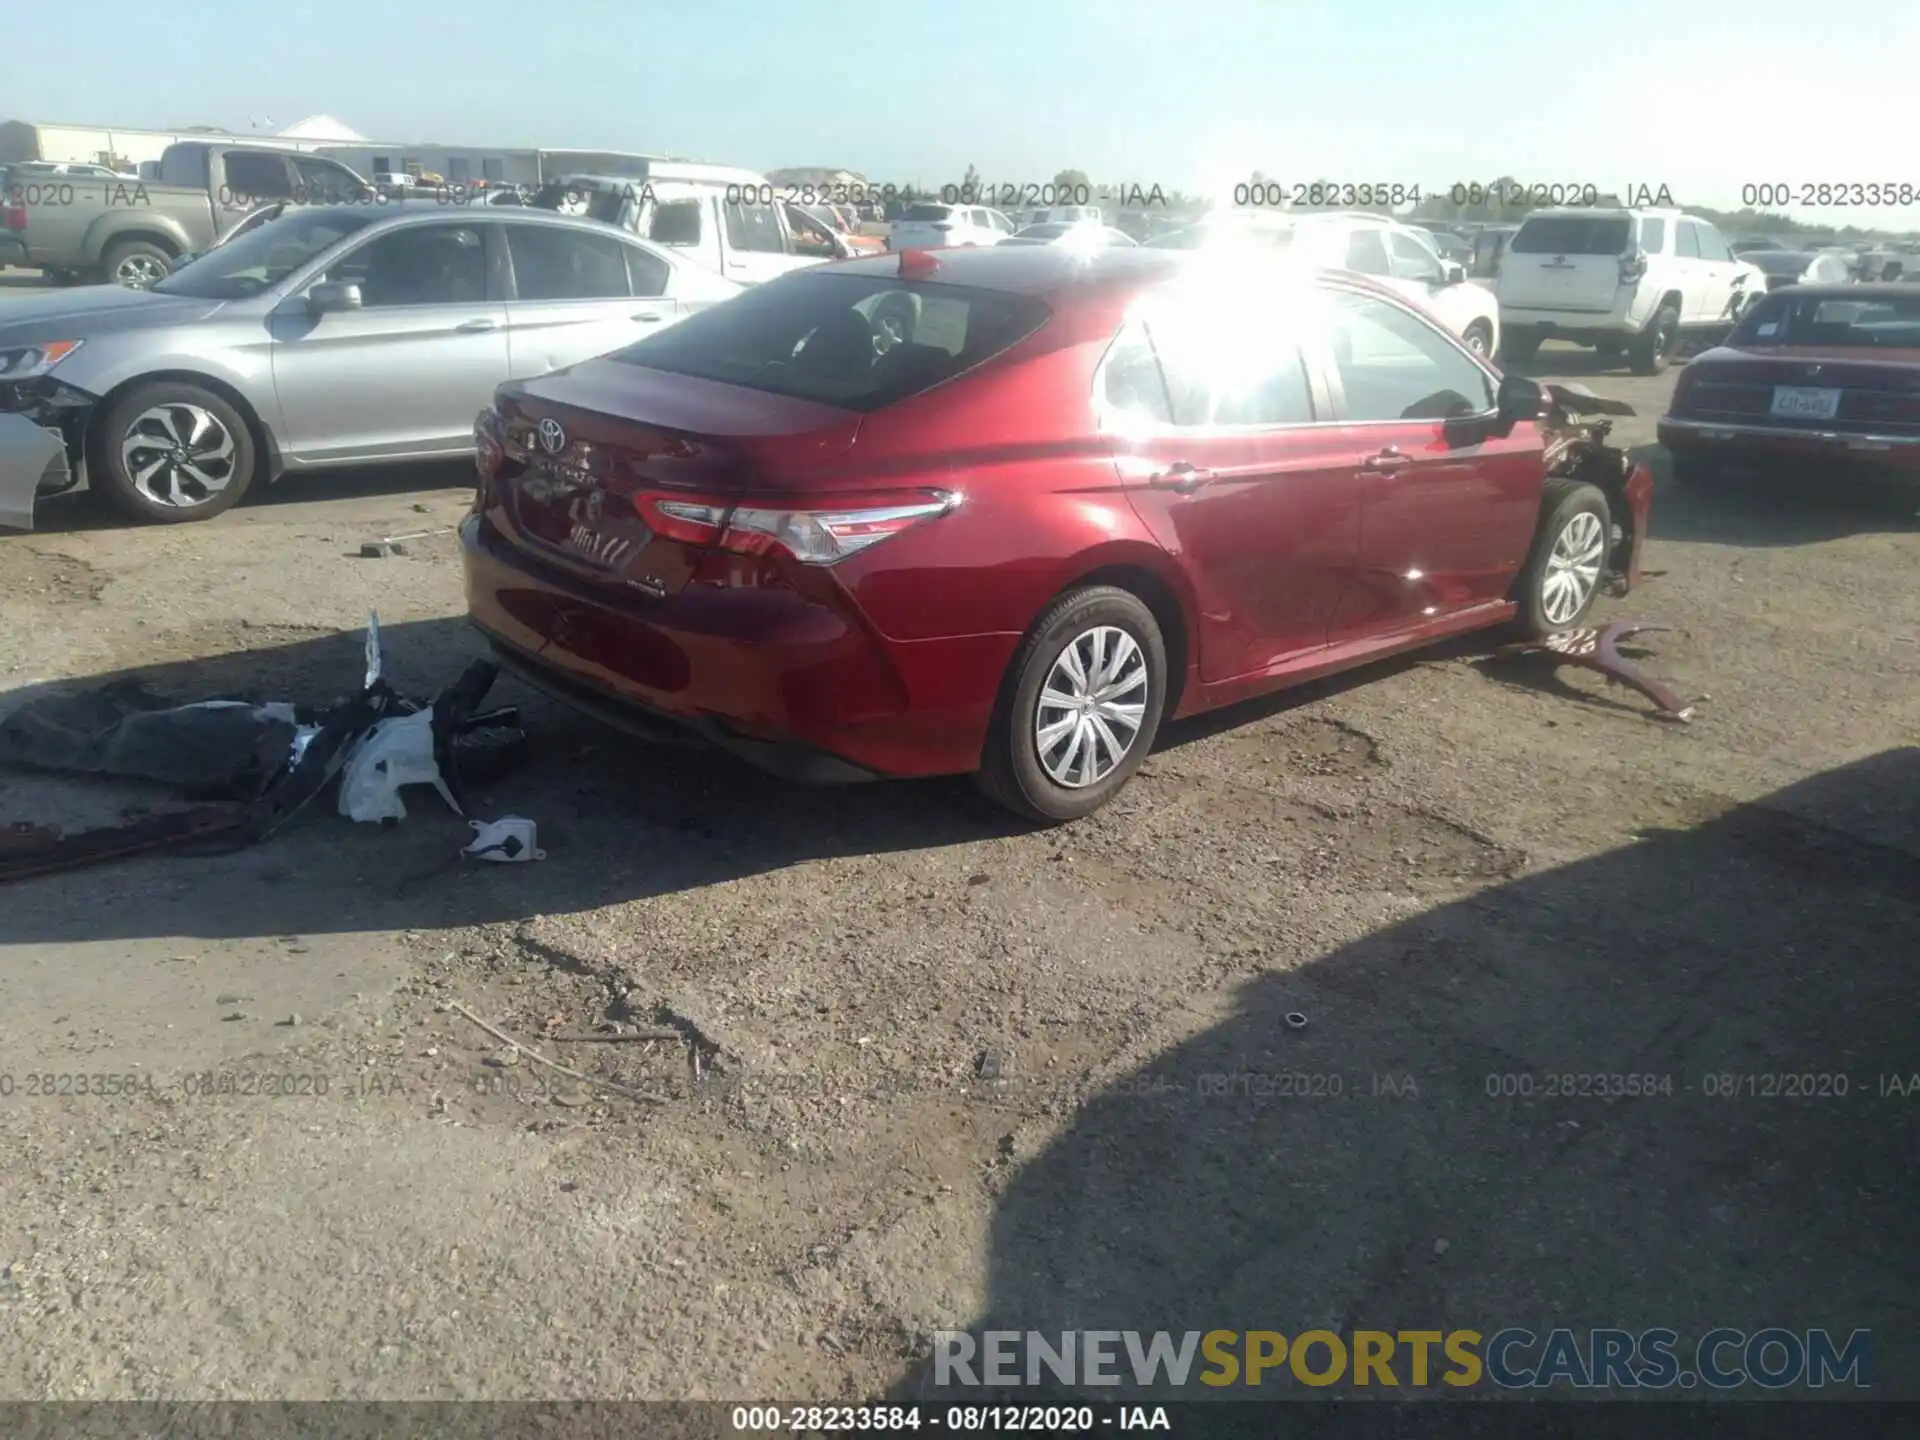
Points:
[930,1070]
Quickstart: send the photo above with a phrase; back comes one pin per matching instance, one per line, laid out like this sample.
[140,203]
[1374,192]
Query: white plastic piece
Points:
[398,751]
[373,648]
[510,839]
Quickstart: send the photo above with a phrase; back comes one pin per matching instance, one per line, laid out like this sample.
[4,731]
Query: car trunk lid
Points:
[600,446]
[1827,388]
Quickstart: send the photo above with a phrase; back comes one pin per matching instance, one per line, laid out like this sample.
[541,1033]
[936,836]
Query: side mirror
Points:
[1453,273]
[1519,399]
[324,298]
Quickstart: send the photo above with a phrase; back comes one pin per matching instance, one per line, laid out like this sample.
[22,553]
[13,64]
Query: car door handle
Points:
[1181,477]
[648,317]
[1386,462]
[473,327]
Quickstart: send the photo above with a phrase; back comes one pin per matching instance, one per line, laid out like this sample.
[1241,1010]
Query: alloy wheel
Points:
[1476,341]
[178,455]
[1091,708]
[139,272]
[1573,568]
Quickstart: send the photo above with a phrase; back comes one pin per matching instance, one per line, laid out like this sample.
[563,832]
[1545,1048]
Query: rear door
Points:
[1719,274]
[1565,262]
[757,245]
[572,296]
[1212,413]
[404,375]
[1690,266]
[1449,509]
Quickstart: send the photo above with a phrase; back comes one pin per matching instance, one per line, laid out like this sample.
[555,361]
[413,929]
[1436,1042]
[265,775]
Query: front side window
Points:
[1687,240]
[1367,253]
[419,265]
[1395,366]
[1413,261]
[322,182]
[554,264]
[1713,245]
[1653,236]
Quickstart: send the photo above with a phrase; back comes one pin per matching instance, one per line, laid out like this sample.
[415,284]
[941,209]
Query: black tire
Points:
[137,264]
[1653,350]
[1561,502]
[1519,345]
[140,499]
[1012,772]
[61,276]
[1478,337]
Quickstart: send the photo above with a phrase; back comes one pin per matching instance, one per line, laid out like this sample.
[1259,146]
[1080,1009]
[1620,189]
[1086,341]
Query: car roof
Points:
[490,215]
[1058,272]
[1612,212]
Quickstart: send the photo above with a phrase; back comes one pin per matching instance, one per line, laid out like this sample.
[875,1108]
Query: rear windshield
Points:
[859,342]
[1573,235]
[1882,322]
[927,212]
[1779,262]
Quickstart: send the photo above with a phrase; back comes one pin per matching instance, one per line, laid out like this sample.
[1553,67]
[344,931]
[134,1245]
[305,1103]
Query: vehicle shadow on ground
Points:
[1381,1168]
[1767,512]
[80,510]
[619,818]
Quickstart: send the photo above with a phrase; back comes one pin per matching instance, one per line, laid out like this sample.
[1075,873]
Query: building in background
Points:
[129,150]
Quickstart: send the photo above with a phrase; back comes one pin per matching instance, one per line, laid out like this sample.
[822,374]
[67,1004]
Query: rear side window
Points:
[1574,235]
[1133,386]
[1687,240]
[554,264]
[1653,236]
[675,222]
[859,342]
[1239,367]
[258,177]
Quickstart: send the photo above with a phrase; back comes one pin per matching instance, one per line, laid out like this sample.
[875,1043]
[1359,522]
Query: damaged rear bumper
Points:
[33,462]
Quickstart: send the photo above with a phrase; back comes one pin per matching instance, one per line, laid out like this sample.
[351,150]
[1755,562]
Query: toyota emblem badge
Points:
[552,438]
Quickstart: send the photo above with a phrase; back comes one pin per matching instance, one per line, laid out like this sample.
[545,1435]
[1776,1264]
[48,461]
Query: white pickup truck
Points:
[727,220]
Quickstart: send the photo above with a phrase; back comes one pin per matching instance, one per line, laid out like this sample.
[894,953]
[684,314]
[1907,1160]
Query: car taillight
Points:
[1632,268]
[942,225]
[813,535]
[13,214]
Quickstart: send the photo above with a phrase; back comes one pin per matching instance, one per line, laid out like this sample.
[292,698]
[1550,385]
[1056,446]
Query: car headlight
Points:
[28,362]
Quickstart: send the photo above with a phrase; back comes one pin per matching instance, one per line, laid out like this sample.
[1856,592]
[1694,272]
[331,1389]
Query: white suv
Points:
[1620,280]
[1406,260]
[937,227]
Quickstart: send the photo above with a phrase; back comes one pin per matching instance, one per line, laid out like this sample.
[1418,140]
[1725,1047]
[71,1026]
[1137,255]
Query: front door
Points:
[1449,510]
[1213,422]
[574,295]
[404,375]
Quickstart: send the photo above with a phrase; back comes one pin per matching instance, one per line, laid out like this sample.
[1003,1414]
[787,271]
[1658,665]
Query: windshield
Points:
[263,258]
[1882,322]
[1573,235]
[856,341]
[927,212]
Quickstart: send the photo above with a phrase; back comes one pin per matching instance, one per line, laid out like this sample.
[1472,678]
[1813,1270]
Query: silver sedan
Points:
[343,335]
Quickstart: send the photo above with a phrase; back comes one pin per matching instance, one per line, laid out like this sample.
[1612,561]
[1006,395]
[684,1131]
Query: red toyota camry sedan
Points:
[1003,511]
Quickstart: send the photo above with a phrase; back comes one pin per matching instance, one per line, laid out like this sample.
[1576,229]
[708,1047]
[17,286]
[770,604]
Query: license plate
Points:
[1805,404]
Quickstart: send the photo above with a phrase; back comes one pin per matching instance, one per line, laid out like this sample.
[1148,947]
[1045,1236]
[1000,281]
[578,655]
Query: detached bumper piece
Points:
[266,762]
[33,461]
[1598,649]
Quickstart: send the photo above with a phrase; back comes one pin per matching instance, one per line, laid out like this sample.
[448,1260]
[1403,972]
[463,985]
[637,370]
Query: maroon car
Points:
[1005,510]
[1822,373]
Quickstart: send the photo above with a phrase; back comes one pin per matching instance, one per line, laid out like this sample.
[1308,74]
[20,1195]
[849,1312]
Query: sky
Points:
[1193,95]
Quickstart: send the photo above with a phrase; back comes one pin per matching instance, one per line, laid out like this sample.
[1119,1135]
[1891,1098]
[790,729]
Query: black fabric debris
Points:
[127,730]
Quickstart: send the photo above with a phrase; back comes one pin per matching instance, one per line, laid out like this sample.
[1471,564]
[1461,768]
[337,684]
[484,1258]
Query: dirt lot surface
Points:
[938,1071]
